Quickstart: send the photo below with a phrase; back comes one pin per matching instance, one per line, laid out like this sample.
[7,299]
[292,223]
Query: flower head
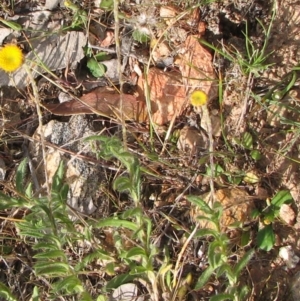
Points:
[11,58]
[198,98]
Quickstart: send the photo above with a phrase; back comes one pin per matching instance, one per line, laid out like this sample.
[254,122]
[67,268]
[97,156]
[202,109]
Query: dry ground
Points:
[177,153]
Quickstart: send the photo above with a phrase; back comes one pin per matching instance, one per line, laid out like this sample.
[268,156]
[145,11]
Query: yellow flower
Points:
[198,98]
[11,58]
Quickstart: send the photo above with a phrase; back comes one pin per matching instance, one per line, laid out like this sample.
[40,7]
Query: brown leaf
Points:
[167,12]
[109,39]
[167,94]
[237,207]
[196,67]
[102,101]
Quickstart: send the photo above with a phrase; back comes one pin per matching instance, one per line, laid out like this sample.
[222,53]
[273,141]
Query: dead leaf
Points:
[162,50]
[237,207]
[108,40]
[201,28]
[190,139]
[102,101]
[167,94]
[167,12]
[195,17]
[196,67]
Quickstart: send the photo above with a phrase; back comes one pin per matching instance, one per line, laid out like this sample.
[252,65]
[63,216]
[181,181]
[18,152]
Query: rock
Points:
[287,214]
[52,4]
[68,145]
[56,51]
[288,255]
[126,292]
[4,32]
[295,287]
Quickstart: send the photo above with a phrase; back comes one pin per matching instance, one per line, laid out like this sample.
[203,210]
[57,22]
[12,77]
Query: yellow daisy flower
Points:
[198,98]
[11,58]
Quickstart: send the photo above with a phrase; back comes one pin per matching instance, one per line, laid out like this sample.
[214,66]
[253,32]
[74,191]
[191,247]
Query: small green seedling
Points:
[96,68]
[266,236]
[79,15]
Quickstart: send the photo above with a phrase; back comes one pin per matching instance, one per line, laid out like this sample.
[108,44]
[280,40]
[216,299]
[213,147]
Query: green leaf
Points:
[245,238]
[266,238]
[6,293]
[281,197]
[132,212]
[133,252]
[51,269]
[64,192]
[140,36]
[29,232]
[200,203]
[117,281]
[85,296]
[57,180]
[202,280]
[102,56]
[98,254]
[206,232]
[221,297]
[247,141]
[243,292]
[224,268]
[251,178]
[114,222]
[126,158]
[255,154]
[107,4]
[70,285]
[97,69]
[35,294]
[218,171]
[122,184]
[138,270]
[20,176]
[243,262]
[10,202]
[101,298]
[11,24]
[28,190]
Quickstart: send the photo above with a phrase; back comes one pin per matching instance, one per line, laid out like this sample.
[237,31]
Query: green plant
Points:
[142,257]
[80,17]
[265,235]
[49,229]
[253,62]
[97,69]
[219,252]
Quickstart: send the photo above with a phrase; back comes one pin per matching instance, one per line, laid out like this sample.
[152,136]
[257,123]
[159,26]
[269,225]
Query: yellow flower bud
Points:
[198,98]
[11,58]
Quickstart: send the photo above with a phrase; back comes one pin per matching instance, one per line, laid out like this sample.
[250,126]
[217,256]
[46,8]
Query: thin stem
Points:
[119,68]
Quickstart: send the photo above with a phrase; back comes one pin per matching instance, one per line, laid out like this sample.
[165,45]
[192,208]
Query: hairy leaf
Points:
[20,176]
[202,280]
[114,222]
